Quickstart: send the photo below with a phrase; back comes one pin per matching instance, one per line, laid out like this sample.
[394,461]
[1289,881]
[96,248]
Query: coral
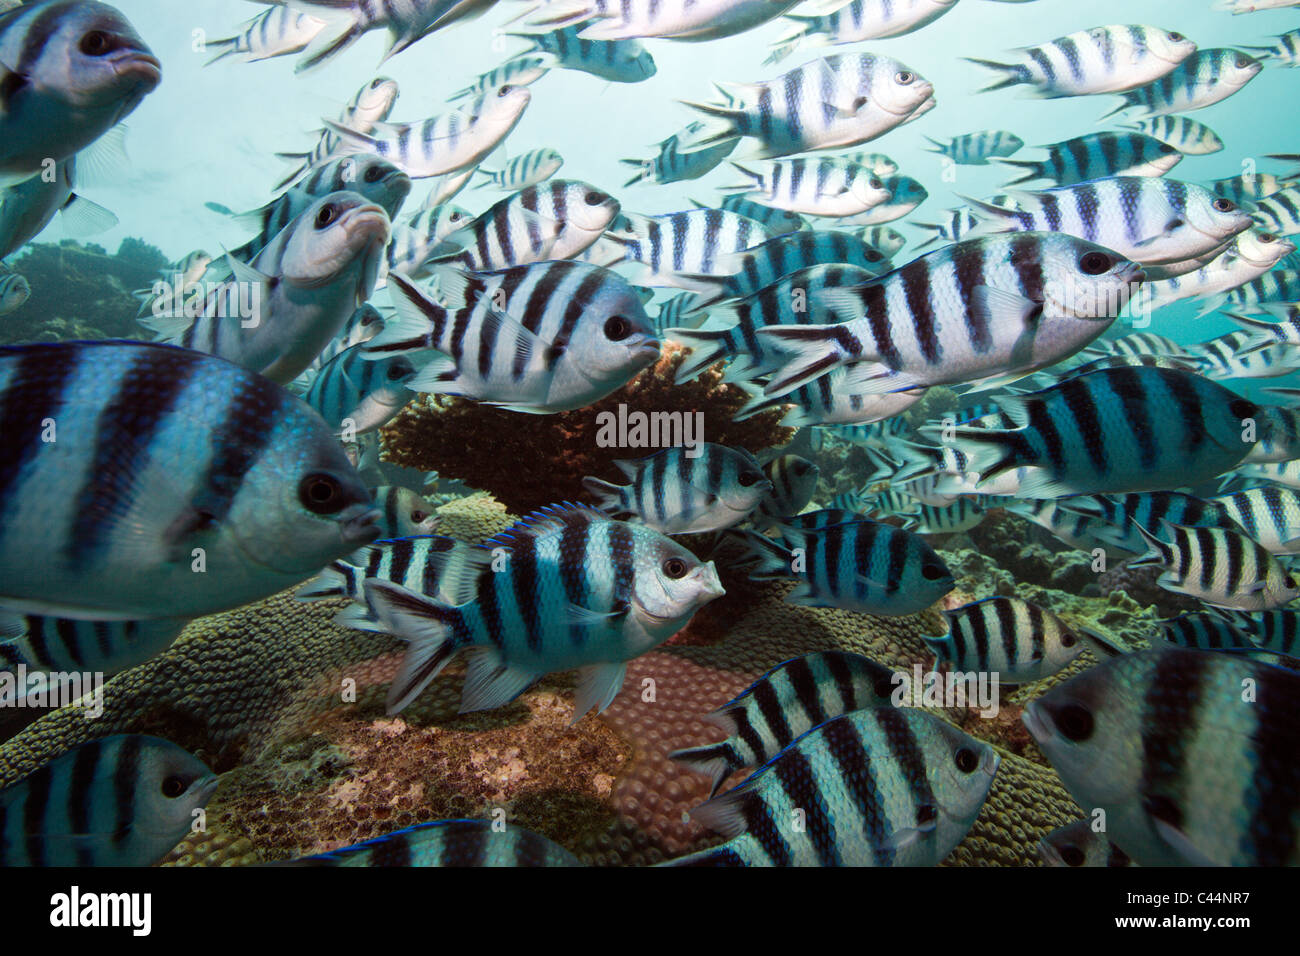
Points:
[75,285]
[213,847]
[1140,584]
[529,461]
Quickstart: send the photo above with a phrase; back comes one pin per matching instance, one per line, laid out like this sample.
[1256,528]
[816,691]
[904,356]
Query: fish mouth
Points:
[646,353]
[204,788]
[1034,723]
[141,65]
[369,222]
[360,524]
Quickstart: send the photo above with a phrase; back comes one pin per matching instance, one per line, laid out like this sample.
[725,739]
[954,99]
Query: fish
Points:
[366,322]
[957,224]
[444,143]
[555,220]
[1249,186]
[1148,220]
[1138,345]
[1279,213]
[856,21]
[1284,51]
[1217,566]
[279,31]
[776,222]
[793,482]
[15,290]
[1277,631]
[169,457]
[905,194]
[1250,6]
[577,589]
[975,149]
[1078,844]
[885,240]
[1190,137]
[825,402]
[1095,155]
[692,20]
[542,338]
[1203,79]
[840,100]
[120,800]
[525,69]
[1247,256]
[63,645]
[861,565]
[981,308]
[778,708]
[1286,473]
[1224,357]
[619,61]
[71,71]
[1266,293]
[1008,636]
[370,106]
[884,786]
[450,843]
[813,186]
[1114,431]
[416,242]
[676,249]
[1204,630]
[403,512]
[675,492]
[28,207]
[961,515]
[405,21]
[1147,510]
[1189,769]
[295,296]
[1105,59]
[527,169]
[359,394]
[672,164]
[1078,531]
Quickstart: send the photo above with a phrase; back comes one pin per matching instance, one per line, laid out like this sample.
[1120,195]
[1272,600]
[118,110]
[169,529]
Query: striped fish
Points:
[825,402]
[548,337]
[73,69]
[883,786]
[1206,631]
[1188,769]
[1285,473]
[365,323]
[678,19]
[555,220]
[1190,137]
[732,332]
[1107,59]
[428,564]
[878,163]
[861,565]
[1276,286]
[961,515]
[905,194]
[1148,510]
[1280,212]
[1078,844]
[15,290]
[405,21]
[522,70]
[672,164]
[619,61]
[1138,345]
[835,101]
[792,484]
[28,207]
[1203,79]
[962,313]
[777,222]
[675,493]
[446,142]
[813,186]
[288,304]
[360,394]
[1217,566]
[1019,641]
[577,590]
[884,239]
[976,149]
[780,706]
[370,106]
[1113,431]
[450,843]
[279,31]
[1095,155]
[124,800]
[1226,356]
[526,169]
[65,645]
[1284,51]
[1269,514]
[1277,631]
[676,248]
[1143,218]
[1264,332]
[419,239]
[447,187]
[956,224]
[1250,6]
[856,21]
[1249,186]
[1247,256]
[1077,531]
[162,451]
[403,512]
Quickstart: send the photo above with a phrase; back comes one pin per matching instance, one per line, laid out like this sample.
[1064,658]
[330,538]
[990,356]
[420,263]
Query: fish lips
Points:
[140,65]
[204,788]
[359,524]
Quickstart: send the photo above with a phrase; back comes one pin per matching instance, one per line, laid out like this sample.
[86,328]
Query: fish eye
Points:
[378,83]
[173,787]
[418,517]
[321,494]
[875,183]
[1224,205]
[966,760]
[1067,639]
[883,687]
[1241,408]
[505,90]
[328,213]
[456,217]
[373,174]
[675,568]
[1074,721]
[95,43]
[593,198]
[1094,263]
[748,478]
[617,327]
[933,572]
[1242,61]
[873,256]
[903,77]
[1267,237]
[1071,855]
[1290,581]
[1176,37]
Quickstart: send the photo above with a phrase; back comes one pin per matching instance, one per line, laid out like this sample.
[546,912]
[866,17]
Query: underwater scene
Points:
[741,433]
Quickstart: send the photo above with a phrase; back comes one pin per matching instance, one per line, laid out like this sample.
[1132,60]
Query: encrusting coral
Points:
[526,461]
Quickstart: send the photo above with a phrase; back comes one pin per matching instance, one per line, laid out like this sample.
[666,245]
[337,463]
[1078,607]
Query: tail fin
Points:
[763,558]
[644,167]
[989,451]
[808,351]
[1158,552]
[430,628]
[1034,169]
[228,47]
[609,496]
[1010,73]
[708,346]
[1128,100]
[329,43]
[339,579]
[727,128]
[716,761]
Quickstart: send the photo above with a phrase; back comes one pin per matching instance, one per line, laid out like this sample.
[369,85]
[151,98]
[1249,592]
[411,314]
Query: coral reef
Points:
[81,291]
[528,461]
[1140,584]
